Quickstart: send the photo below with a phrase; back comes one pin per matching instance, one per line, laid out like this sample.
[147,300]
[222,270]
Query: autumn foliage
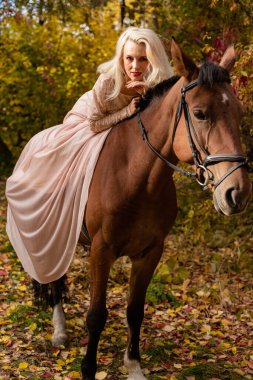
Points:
[49,53]
[198,317]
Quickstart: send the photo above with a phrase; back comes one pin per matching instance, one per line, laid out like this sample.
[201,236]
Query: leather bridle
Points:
[202,174]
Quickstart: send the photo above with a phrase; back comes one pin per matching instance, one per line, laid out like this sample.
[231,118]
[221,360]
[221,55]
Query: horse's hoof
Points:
[59,339]
[136,376]
[134,369]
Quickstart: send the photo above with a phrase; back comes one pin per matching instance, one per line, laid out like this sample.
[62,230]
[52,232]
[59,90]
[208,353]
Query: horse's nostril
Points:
[233,197]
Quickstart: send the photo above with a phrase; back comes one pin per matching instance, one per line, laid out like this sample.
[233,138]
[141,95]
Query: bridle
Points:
[202,174]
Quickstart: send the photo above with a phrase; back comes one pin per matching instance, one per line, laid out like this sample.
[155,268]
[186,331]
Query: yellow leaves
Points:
[56,352]
[207,49]
[23,365]
[101,375]
[60,362]
[23,288]
[5,322]
[214,3]
[186,328]
[74,375]
[48,337]
[58,377]
[225,322]
[123,370]
[32,327]
[206,328]
[79,321]
[217,333]
[238,371]
[225,297]
[168,328]
[150,310]
[202,293]
[4,339]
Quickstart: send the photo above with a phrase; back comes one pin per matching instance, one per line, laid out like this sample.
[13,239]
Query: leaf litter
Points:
[198,326]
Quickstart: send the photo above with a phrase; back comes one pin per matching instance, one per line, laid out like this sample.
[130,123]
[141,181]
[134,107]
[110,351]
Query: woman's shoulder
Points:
[105,80]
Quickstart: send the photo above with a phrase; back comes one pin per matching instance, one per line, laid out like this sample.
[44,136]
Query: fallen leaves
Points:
[194,330]
[101,375]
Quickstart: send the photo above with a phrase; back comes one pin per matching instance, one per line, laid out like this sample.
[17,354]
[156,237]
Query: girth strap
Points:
[85,233]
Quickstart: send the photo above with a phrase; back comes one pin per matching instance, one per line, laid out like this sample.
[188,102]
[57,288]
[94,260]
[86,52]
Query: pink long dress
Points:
[48,190]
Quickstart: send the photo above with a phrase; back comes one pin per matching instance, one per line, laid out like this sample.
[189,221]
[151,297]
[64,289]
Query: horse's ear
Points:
[184,65]
[228,59]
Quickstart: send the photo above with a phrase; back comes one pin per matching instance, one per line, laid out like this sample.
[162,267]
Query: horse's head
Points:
[209,117]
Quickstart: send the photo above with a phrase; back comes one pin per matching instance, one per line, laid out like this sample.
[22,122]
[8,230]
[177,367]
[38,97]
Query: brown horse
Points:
[132,202]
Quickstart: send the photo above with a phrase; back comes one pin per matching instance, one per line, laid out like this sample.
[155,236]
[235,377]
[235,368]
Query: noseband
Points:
[202,175]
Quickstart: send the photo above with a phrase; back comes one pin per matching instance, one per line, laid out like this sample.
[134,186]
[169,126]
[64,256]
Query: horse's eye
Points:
[199,115]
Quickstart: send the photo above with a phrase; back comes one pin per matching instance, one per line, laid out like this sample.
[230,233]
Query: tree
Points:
[46,67]
[50,50]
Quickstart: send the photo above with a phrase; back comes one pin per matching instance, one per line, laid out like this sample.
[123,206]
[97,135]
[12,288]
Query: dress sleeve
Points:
[109,120]
[93,107]
[99,117]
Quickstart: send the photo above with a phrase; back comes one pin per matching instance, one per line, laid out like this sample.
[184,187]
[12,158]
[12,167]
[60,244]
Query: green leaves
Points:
[45,68]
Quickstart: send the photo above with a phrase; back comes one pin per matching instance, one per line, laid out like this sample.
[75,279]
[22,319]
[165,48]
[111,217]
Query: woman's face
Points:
[135,60]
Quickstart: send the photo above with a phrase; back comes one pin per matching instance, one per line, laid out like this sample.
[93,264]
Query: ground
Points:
[198,316]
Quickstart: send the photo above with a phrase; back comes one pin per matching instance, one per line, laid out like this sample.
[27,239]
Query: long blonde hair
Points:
[159,67]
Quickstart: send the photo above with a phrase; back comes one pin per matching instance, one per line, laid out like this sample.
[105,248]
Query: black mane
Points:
[157,91]
[209,73]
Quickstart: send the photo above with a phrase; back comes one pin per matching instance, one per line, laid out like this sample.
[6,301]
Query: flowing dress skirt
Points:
[47,194]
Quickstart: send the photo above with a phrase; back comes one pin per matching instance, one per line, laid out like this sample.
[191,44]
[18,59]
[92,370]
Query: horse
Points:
[193,117]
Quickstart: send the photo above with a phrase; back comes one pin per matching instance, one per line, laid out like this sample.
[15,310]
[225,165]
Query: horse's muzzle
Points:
[231,200]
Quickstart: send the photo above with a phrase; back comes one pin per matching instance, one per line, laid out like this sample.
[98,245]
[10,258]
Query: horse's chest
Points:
[138,223]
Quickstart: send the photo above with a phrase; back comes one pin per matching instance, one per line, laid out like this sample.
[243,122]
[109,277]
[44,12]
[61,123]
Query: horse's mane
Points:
[209,73]
[157,91]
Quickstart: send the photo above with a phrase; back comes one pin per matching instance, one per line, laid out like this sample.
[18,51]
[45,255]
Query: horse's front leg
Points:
[142,271]
[100,264]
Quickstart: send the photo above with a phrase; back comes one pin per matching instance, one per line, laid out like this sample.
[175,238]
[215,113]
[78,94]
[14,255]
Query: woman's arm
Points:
[112,119]
[92,107]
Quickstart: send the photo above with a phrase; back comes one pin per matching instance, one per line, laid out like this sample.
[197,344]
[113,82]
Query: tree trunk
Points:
[5,154]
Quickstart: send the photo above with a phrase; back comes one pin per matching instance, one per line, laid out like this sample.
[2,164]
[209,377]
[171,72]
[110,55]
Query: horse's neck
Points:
[158,121]
[142,162]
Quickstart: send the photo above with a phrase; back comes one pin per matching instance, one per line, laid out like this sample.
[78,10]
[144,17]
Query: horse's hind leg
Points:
[59,336]
[51,295]
[142,271]
[100,264]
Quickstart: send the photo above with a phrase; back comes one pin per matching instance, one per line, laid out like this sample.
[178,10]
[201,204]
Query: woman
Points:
[48,189]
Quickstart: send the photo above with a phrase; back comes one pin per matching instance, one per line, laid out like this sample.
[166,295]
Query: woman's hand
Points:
[133,106]
[139,86]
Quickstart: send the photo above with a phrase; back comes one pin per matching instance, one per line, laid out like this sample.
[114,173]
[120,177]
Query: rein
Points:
[210,159]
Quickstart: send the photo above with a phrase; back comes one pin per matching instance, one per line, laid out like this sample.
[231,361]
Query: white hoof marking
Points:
[134,369]
[58,339]
[59,336]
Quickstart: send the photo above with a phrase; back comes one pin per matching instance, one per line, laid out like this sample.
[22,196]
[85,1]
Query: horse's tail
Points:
[50,294]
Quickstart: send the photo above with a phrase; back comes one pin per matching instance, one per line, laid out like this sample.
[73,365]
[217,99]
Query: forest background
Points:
[49,53]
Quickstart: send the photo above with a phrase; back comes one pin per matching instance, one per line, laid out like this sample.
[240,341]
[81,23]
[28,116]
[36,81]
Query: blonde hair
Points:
[159,68]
